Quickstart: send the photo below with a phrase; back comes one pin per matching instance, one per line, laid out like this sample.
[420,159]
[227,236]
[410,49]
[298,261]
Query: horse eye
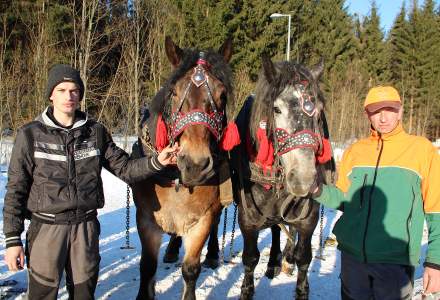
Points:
[276,110]
[173,93]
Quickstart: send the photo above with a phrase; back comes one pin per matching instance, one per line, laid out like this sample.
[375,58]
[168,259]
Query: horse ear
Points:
[317,69]
[268,68]
[174,53]
[226,49]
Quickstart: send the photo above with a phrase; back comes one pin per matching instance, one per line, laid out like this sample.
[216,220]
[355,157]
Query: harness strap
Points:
[287,232]
[188,87]
[286,206]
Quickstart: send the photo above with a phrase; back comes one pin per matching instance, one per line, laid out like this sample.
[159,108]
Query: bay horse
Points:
[279,166]
[192,108]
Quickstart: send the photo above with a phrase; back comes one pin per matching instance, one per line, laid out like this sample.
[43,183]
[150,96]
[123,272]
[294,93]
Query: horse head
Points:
[198,103]
[290,104]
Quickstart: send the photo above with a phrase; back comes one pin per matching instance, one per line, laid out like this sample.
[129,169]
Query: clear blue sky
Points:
[388,9]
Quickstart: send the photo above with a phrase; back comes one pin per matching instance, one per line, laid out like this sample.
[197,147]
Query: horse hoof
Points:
[272,272]
[211,263]
[170,258]
[287,268]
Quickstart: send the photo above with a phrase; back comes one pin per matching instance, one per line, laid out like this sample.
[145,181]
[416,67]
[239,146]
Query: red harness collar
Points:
[265,154]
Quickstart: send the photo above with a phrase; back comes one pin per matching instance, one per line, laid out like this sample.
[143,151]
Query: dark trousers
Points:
[52,249]
[378,281]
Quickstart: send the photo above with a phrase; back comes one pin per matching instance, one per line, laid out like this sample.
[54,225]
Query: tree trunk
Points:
[87,23]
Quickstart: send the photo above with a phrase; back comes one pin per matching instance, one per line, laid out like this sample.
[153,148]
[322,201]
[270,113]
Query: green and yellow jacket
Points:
[387,186]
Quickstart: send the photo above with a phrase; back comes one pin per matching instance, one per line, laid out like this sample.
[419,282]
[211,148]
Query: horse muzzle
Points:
[300,185]
[195,172]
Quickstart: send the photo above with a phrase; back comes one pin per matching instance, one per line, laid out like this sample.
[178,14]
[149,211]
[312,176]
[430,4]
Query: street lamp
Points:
[278,15]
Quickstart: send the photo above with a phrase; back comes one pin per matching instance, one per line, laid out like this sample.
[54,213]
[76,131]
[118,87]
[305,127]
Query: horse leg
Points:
[251,255]
[151,239]
[274,264]
[194,241]
[288,264]
[172,251]
[303,257]
[211,259]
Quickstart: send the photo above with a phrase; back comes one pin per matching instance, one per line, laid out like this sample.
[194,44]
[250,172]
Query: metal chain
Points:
[231,248]
[321,235]
[222,254]
[127,222]
[321,221]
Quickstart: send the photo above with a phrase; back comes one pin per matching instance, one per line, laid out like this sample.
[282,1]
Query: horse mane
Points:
[219,68]
[287,73]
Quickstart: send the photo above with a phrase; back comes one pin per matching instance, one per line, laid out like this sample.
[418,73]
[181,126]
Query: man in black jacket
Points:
[54,179]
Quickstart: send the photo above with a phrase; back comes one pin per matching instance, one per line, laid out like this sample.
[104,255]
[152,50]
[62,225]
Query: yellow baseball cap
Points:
[380,97]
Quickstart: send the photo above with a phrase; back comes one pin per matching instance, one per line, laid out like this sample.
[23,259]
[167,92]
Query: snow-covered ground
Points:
[119,273]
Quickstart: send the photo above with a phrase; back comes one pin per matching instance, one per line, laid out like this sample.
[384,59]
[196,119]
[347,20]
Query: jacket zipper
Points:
[362,190]
[364,254]
[68,160]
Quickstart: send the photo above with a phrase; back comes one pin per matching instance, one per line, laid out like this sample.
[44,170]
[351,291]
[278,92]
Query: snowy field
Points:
[119,272]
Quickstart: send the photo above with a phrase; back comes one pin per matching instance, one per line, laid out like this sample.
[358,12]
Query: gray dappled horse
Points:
[283,124]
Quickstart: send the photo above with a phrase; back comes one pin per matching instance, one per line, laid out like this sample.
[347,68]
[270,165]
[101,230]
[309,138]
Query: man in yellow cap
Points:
[388,184]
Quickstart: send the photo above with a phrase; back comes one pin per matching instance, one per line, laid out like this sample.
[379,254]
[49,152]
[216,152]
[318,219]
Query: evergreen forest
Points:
[118,46]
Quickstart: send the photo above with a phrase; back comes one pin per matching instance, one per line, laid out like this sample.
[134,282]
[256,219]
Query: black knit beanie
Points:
[61,73]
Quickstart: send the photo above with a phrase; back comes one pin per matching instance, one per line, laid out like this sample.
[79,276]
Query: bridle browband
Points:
[213,121]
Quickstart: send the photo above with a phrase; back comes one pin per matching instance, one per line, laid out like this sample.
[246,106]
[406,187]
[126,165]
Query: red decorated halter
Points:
[285,141]
[289,141]
[213,121]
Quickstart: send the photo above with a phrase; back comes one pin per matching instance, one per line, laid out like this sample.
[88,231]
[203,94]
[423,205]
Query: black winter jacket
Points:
[55,170]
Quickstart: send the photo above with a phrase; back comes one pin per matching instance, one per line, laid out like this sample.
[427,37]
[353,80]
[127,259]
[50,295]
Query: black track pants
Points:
[375,281]
[54,248]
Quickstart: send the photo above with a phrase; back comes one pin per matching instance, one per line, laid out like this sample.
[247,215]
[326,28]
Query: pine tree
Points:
[398,46]
[330,35]
[373,52]
[429,69]
[256,33]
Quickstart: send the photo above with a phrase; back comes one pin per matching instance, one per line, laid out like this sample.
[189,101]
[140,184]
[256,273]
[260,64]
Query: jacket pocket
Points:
[35,198]
[55,196]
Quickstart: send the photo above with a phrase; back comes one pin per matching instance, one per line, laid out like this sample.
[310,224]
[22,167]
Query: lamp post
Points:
[289,16]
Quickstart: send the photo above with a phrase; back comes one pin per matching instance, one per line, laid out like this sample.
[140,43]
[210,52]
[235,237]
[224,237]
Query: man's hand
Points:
[431,280]
[169,155]
[14,258]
